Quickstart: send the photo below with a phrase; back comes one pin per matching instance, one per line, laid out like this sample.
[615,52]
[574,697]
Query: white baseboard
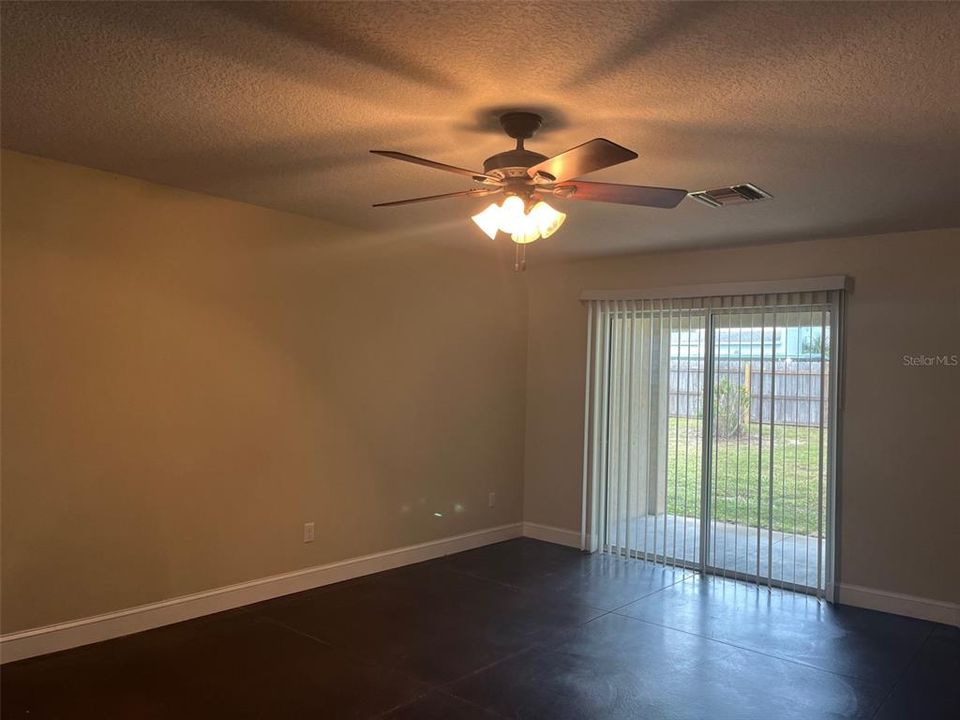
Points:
[548,533]
[916,607]
[62,636]
[39,641]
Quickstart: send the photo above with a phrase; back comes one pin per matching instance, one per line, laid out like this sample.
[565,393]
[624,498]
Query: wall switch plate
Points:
[308,532]
[491,499]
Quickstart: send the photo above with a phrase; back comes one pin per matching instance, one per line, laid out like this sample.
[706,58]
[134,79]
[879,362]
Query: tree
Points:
[813,345]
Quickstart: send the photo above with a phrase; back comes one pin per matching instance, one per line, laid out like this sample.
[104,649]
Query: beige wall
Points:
[187,380]
[900,492]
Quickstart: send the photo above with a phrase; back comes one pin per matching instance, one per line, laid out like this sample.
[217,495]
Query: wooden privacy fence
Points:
[792,393]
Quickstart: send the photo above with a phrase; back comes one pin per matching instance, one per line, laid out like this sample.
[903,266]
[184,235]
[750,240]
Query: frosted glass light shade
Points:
[489,220]
[523,227]
[547,220]
[512,215]
[527,232]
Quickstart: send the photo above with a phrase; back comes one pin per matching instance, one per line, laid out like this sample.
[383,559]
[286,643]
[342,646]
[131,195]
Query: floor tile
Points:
[440,706]
[515,562]
[605,582]
[601,581]
[242,667]
[618,668]
[930,688]
[434,624]
[519,629]
[860,643]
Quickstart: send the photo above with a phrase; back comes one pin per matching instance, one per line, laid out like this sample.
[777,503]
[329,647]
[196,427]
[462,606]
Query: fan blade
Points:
[625,194]
[593,155]
[476,192]
[478,176]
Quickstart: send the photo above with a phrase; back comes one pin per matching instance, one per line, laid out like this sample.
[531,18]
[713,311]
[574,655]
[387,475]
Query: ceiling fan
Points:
[524,177]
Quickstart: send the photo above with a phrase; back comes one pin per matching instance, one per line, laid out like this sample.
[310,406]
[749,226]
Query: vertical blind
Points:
[709,439]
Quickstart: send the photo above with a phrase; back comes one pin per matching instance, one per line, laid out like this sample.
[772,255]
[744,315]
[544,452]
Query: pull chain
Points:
[520,263]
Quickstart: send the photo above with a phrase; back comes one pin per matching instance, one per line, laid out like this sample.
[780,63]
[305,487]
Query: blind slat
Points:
[695,410]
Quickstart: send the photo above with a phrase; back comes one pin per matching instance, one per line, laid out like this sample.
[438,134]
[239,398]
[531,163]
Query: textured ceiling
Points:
[848,113]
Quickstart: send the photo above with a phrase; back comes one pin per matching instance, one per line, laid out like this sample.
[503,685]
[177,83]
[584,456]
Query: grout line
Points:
[429,685]
[550,642]
[903,674]
[416,698]
[359,659]
[526,591]
[683,578]
[301,633]
[535,647]
[355,657]
[686,574]
[441,686]
[474,576]
[793,661]
[548,645]
[492,713]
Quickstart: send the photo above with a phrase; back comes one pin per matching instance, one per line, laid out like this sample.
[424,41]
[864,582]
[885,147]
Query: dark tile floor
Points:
[522,629]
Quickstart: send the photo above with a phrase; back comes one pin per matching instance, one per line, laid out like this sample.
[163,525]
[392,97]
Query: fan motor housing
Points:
[512,163]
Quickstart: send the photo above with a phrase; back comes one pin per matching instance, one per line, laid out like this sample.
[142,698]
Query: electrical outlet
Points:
[308,532]
[491,499]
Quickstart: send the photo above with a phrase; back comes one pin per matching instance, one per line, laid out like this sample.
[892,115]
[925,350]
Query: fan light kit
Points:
[525,177]
[524,227]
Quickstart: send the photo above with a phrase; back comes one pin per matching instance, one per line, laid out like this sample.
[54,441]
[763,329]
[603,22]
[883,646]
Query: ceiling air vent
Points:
[733,195]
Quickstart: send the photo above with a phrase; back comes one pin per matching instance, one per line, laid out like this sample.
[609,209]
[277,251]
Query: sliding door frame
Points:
[834,448]
[706,451]
[603,309]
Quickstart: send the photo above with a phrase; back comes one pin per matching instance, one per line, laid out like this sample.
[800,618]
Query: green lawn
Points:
[735,492]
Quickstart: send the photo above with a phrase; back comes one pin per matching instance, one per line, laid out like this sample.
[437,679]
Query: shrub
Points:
[733,409]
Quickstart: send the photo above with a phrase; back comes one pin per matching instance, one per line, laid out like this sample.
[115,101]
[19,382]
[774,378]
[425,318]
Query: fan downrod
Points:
[512,165]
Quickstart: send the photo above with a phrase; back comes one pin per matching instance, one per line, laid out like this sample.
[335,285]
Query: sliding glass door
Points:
[708,441]
[767,444]
[655,371]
